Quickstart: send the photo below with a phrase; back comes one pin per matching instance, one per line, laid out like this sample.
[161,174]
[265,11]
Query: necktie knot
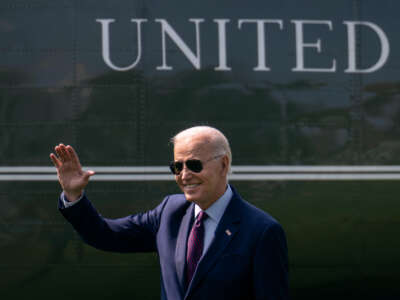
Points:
[201,217]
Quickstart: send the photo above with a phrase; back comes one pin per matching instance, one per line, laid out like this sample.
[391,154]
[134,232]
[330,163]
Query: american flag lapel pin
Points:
[228,232]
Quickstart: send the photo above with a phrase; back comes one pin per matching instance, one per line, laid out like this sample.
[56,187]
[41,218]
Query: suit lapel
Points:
[226,230]
[180,252]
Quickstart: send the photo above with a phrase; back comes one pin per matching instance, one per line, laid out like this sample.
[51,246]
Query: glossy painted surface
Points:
[56,87]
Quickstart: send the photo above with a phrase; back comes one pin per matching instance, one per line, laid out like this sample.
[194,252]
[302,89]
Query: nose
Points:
[185,173]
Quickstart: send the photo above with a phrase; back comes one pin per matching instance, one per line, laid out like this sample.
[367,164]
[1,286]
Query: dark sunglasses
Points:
[194,165]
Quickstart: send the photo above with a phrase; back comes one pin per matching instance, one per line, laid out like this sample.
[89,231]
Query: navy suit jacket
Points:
[247,258]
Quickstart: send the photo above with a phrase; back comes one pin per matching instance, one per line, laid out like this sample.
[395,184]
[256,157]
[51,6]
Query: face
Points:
[206,187]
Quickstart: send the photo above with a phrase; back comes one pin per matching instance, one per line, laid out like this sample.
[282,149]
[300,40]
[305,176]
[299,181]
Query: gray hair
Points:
[213,136]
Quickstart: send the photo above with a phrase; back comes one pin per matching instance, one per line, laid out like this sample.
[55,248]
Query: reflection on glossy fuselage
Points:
[289,86]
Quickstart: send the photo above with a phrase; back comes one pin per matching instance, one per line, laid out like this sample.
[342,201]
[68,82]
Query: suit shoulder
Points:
[175,201]
[176,198]
[259,216]
[251,214]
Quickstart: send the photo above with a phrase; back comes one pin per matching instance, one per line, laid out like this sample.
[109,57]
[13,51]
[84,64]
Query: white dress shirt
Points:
[70,203]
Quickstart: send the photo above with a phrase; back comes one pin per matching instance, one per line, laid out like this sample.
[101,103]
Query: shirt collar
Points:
[217,209]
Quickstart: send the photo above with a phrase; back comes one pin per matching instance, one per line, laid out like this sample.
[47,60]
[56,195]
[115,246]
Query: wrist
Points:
[72,196]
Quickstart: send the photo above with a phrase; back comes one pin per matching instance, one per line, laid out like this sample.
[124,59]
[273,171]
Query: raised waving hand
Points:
[69,170]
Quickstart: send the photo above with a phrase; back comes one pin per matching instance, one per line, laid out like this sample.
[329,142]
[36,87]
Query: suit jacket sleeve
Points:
[134,233]
[271,265]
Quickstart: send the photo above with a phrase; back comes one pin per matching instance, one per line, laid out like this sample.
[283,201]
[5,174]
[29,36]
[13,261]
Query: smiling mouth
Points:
[191,186]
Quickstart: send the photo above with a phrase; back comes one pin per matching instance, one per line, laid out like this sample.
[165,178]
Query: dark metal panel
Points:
[55,87]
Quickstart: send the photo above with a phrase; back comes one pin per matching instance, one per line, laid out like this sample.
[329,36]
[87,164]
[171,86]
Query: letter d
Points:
[351,35]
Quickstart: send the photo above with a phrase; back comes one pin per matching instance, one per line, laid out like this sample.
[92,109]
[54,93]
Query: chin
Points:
[191,194]
[190,198]
[193,198]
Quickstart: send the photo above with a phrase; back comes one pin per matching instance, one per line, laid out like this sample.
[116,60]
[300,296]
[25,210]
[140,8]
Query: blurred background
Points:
[318,148]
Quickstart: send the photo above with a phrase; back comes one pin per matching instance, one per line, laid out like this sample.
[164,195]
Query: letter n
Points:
[166,29]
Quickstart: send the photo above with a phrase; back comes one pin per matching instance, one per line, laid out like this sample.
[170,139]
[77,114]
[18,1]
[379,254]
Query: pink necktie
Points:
[195,245]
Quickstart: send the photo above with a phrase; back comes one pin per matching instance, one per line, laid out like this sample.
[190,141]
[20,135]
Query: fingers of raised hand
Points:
[72,154]
[55,160]
[59,158]
[58,151]
[63,153]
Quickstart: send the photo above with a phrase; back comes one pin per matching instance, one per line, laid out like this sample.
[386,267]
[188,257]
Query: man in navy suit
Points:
[211,243]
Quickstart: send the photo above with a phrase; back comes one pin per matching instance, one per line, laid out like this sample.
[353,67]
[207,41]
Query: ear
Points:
[225,165]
